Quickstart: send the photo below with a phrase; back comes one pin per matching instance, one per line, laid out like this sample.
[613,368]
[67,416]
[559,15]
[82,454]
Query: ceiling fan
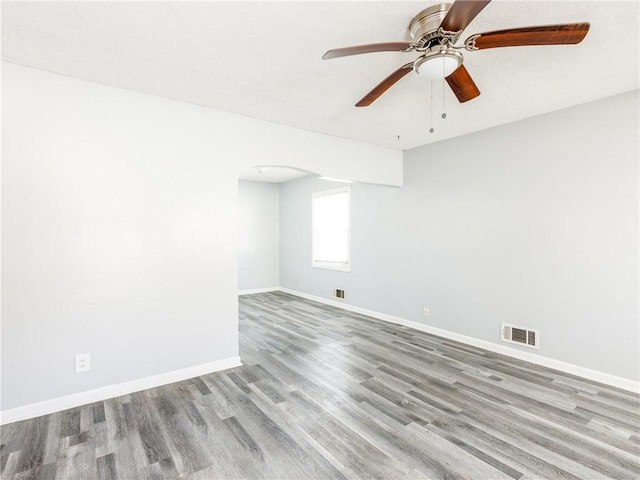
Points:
[435,31]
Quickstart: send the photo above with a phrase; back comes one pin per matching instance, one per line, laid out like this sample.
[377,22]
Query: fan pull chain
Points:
[444,110]
[431,130]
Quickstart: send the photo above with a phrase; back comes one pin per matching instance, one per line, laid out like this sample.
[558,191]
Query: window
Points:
[331,225]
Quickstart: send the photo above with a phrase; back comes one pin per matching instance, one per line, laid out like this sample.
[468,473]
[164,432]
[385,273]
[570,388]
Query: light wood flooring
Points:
[325,393]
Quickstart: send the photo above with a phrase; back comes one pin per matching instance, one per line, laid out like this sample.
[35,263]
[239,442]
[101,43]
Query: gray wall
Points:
[533,223]
[119,229]
[258,231]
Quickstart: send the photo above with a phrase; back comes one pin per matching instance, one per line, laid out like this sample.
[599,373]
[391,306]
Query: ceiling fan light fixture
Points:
[438,65]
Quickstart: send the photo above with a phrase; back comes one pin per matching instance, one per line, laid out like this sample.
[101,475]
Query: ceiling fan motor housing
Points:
[424,27]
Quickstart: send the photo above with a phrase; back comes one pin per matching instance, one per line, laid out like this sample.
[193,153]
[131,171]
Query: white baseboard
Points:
[103,393]
[595,375]
[251,291]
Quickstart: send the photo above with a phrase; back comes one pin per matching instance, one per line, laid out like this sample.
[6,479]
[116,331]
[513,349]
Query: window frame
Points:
[337,266]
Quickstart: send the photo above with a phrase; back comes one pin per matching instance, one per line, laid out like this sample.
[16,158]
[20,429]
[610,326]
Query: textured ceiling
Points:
[263,60]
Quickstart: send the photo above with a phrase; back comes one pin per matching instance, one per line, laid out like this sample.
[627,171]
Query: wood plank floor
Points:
[325,393]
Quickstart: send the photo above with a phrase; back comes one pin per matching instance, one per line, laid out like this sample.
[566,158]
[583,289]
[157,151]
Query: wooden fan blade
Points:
[463,86]
[562,34]
[461,13]
[368,48]
[384,85]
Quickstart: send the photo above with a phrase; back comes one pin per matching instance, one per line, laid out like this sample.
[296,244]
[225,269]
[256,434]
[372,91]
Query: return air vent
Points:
[528,337]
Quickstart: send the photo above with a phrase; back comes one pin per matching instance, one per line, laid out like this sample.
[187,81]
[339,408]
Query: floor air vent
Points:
[528,337]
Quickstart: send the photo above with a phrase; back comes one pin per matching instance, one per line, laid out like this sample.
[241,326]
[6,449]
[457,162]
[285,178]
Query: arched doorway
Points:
[258,225]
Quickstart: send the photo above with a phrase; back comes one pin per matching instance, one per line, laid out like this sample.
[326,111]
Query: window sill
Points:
[332,266]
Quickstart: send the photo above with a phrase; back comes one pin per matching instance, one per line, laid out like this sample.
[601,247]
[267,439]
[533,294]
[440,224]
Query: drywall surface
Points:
[533,223]
[119,228]
[258,233]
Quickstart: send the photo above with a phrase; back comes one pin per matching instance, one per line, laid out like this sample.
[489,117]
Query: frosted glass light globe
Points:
[438,65]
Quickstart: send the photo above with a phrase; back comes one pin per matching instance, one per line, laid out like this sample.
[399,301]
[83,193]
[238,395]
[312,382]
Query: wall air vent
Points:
[338,293]
[528,337]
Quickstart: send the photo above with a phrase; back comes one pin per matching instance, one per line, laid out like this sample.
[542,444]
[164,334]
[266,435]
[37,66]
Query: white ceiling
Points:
[263,60]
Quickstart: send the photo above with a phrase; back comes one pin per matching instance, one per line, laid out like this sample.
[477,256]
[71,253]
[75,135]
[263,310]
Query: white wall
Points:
[533,223]
[258,235]
[119,229]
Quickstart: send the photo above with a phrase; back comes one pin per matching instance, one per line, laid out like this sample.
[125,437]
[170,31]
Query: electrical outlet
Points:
[425,311]
[83,362]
